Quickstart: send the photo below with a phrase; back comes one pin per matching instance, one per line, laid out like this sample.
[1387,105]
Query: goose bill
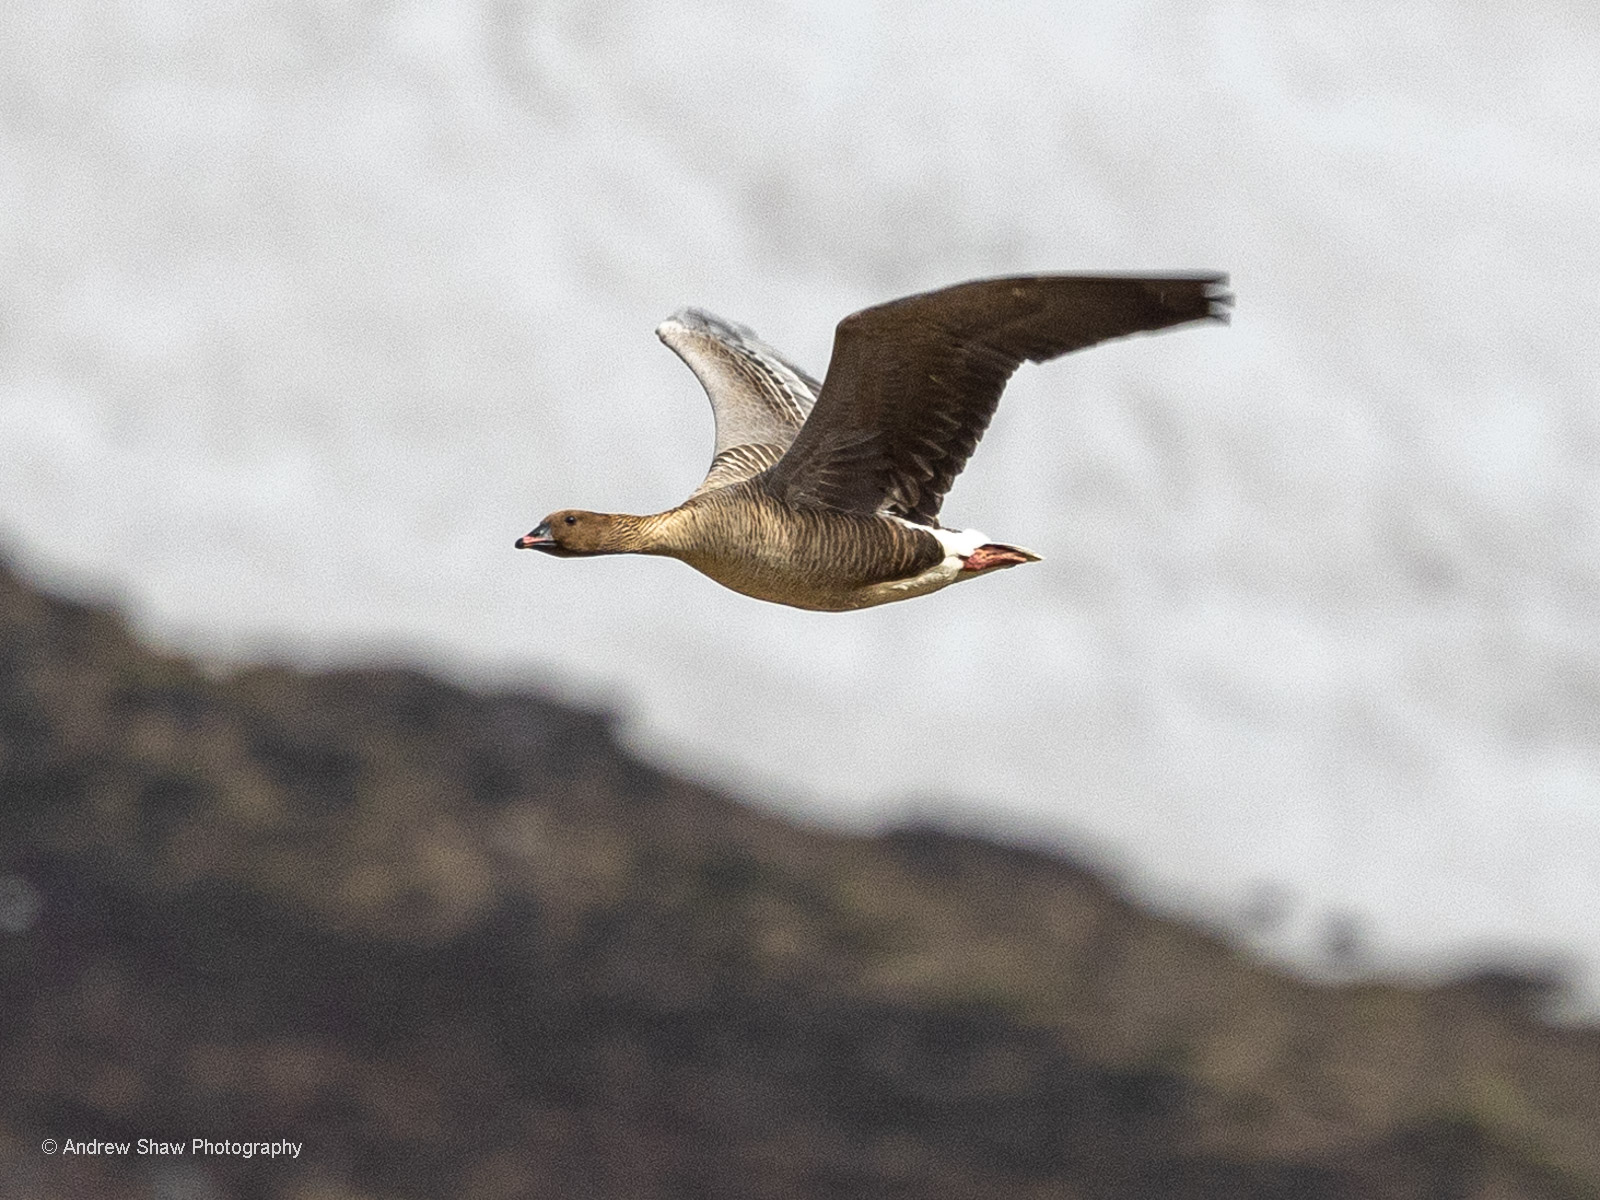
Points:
[539,539]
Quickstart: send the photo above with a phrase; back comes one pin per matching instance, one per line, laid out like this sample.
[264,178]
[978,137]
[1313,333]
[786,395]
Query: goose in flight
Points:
[826,496]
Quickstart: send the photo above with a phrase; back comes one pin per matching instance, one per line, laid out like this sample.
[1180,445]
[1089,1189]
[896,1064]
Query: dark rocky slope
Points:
[461,944]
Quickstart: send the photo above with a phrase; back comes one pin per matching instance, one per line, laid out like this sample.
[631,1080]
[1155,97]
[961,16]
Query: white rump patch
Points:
[959,542]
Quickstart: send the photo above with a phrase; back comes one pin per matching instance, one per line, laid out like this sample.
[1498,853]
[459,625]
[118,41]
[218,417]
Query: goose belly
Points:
[839,574]
[941,574]
[956,544]
[839,594]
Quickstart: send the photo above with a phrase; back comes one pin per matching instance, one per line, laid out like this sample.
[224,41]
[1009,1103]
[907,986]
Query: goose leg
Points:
[993,556]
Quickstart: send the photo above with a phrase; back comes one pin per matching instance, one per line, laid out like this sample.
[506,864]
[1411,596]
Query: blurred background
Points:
[308,310]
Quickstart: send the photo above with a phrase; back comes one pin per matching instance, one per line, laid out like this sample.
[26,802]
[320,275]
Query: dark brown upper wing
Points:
[912,383]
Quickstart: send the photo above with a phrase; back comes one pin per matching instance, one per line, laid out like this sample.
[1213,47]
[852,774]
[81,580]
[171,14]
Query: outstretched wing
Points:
[759,399]
[912,383]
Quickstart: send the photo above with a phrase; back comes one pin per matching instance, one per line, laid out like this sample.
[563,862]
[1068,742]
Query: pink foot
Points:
[991,556]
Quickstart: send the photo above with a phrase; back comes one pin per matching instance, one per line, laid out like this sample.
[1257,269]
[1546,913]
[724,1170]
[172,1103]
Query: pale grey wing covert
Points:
[913,383]
[758,398]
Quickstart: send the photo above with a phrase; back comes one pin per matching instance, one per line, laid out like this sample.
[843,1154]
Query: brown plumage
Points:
[828,496]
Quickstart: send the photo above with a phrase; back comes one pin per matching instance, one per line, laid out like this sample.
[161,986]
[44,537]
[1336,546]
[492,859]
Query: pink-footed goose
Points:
[826,496]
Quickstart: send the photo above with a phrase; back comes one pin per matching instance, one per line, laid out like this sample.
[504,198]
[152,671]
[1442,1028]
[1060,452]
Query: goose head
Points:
[573,532]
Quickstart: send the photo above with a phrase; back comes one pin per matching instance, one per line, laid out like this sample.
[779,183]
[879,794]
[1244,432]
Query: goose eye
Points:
[572,520]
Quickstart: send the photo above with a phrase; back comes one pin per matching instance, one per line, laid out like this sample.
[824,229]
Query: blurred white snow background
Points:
[307,310]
